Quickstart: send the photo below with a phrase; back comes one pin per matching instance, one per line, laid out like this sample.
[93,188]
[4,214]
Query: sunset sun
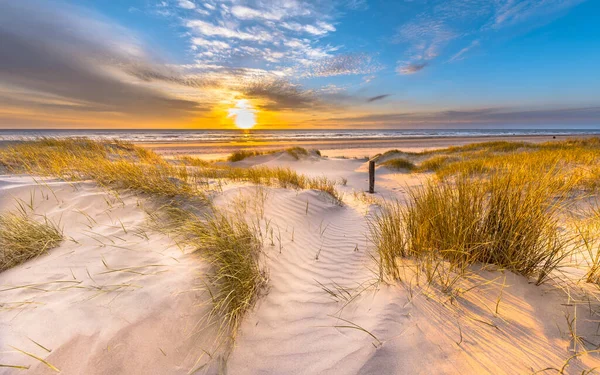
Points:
[243,114]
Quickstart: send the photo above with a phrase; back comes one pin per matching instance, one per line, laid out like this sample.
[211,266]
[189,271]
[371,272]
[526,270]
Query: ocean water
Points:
[218,136]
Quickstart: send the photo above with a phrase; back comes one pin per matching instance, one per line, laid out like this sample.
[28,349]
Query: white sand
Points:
[97,320]
[296,328]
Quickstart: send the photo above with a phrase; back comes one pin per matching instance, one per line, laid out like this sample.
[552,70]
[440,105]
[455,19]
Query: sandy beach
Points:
[120,297]
[299,187]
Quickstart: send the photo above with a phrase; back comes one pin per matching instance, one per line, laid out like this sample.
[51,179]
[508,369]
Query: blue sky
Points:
[302,64]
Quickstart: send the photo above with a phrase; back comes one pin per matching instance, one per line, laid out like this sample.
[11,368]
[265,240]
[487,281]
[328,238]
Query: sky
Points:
[298,64]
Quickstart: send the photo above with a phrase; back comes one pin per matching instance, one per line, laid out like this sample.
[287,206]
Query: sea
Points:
[225,136]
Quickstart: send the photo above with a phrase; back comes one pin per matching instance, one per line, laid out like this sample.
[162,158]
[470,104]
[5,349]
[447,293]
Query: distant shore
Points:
[338,148]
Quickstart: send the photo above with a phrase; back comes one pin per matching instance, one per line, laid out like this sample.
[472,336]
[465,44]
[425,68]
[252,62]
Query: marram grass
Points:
[509,219]
[578,158]
[399,163]
[122,165]
[233,248]
[23,238]
[295,152]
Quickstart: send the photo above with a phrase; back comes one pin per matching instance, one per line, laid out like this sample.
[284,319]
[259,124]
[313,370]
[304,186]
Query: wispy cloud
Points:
[410,68]
[376,98]
[285,32]
[186,4]
[474,118]
[358,63]
[200,27]
[441,23]
[460,55]
[78,64]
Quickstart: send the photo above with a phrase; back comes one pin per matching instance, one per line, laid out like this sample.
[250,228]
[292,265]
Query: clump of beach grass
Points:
[435,163]
[111,164]
[509,219]
[243,154]
[23,238]
[120,165]
[576,157]
[267,176]
[295,152]
[589,234]
[233,248]
[399,163]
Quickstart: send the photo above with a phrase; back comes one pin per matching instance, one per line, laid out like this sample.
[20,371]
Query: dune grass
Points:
[244,154]
[509,219]
[111,164]
[23,238]
[577,157]
[233,248]
[295,152]
[399,163]
[267,176]
[120,165]
[588,229]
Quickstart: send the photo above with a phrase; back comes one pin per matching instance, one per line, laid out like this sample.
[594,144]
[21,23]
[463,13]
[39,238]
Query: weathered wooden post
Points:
[371,176]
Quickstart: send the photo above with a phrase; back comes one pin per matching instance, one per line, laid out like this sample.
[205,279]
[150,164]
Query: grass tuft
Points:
[233,248]
[576,157]
[295,152]
[23,238]
[510,220]
[399,163]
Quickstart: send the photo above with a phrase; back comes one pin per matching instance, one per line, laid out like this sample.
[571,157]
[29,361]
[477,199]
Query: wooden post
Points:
[371,176]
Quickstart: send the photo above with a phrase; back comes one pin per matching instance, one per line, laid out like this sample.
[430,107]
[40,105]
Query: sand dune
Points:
[118,298]
[109,299]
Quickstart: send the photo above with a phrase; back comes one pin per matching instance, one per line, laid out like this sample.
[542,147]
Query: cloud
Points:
[460,54]
[475,118]
[280,95]
[209,29]
[76,65]
[269,90]
[186,4]
[261,33]
[345,64]
[410,68]
[376,98]
[431,31]
[320,28]
[357,4]
[246,13]
[513,12]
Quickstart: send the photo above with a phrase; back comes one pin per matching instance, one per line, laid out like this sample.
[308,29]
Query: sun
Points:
[243,114]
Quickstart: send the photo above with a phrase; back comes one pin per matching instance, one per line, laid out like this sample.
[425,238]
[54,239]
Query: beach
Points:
[128,292]
[299,187]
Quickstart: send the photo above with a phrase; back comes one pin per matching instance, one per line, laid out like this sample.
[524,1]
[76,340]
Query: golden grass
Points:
[295,152]
[121,165]
[233,248]
[23,238]
[509,219]
[116,165]
[267,176]
[588,229]
[399,163]
[579,158]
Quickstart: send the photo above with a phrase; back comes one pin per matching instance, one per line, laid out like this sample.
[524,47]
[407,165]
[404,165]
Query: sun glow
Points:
[243,114]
